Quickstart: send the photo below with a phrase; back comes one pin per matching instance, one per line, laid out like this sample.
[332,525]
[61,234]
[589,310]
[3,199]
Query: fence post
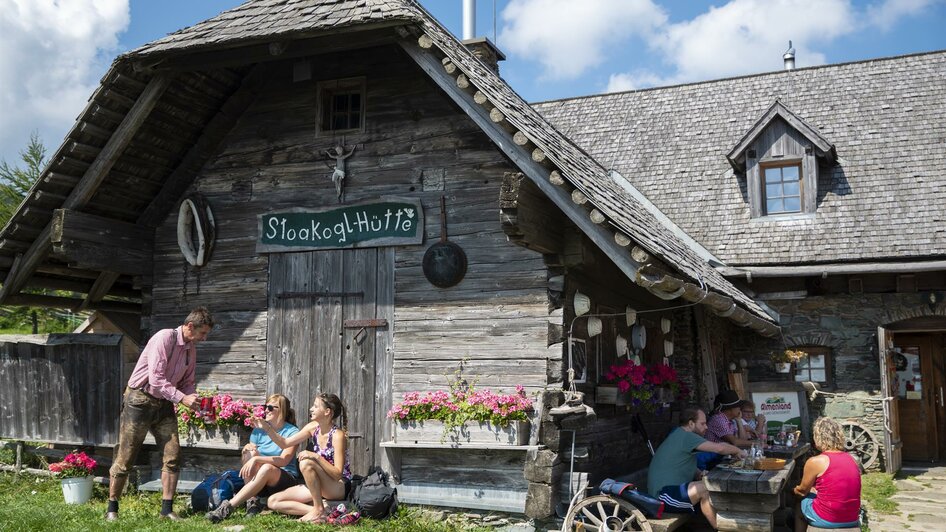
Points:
[19,457]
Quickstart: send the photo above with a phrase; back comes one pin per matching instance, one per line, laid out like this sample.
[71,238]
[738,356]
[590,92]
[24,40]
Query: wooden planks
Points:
[64,388]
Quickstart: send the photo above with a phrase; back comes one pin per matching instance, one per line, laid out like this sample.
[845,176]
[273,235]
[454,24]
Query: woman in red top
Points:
[831,483]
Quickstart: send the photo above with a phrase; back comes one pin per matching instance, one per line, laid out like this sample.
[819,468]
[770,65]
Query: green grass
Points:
[876,490]
[36,503]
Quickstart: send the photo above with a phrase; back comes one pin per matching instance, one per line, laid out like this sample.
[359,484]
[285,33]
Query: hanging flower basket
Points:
[783,367]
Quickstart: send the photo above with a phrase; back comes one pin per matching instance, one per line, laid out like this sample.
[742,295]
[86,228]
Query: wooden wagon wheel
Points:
[860,443]
[602,513]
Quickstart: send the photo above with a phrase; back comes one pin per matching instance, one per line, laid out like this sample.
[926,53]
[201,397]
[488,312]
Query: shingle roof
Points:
[624,211]
[263,19]
[885,199]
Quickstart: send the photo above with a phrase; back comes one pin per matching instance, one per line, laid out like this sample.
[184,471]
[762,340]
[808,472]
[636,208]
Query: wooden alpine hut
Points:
[366,207]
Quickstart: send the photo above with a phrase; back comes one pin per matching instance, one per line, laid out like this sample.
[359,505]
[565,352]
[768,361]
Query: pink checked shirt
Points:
[166,367]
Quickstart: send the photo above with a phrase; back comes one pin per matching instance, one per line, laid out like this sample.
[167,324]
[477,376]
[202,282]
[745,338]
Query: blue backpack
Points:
[215,489]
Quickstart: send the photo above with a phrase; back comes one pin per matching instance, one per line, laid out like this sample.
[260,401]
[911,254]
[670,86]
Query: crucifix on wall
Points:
[338,175]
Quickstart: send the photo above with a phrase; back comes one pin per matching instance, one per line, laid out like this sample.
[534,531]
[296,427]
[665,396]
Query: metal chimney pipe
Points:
[789,57]
[469,19]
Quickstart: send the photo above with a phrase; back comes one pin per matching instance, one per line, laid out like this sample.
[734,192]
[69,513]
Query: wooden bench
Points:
[670,521]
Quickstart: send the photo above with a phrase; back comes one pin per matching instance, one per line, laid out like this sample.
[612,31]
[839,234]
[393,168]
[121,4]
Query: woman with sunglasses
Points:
[326,469]
[267,468]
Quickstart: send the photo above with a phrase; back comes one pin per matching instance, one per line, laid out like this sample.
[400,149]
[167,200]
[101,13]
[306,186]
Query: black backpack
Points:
[373,496]
[215,489]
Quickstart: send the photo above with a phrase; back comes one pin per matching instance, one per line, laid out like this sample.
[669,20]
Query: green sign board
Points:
[385,222]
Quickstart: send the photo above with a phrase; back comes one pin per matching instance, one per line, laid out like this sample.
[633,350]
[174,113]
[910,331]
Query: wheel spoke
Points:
[589,515]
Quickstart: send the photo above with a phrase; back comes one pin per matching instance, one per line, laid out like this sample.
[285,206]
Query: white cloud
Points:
[568,37]
[628,81]
[751,36]
[886,14]
[52,54]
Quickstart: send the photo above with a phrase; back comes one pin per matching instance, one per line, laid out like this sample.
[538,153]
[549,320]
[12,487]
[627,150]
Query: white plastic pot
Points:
[77,490]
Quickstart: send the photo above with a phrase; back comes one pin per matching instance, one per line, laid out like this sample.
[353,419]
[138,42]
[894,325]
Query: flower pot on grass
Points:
[77,490]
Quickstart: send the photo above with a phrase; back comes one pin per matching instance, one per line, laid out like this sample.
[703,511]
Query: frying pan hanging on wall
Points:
[444,263]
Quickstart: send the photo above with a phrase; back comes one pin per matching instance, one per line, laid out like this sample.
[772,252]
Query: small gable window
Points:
[341,105]
[783,188]
[781,157]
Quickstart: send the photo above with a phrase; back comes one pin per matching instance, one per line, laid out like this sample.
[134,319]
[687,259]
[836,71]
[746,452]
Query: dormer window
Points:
[783,187]
[780,157]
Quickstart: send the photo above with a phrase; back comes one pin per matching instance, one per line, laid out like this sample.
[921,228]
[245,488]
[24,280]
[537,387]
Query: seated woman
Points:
[267,468]
[722,428]
[830,484]
[753,424]
[326,469]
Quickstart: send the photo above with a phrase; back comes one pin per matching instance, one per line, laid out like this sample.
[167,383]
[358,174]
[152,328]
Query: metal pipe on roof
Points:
[469,19]
[824,270]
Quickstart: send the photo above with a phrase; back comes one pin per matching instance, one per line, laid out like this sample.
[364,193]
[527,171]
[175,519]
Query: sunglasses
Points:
[270,408]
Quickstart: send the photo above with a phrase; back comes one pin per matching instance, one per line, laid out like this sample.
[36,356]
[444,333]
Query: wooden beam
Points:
[100,288]
[103,257]
[69,226]
[39,300]
[208,143]
[91,180]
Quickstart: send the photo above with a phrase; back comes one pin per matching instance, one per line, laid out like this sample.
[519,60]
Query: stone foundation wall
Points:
[847,324]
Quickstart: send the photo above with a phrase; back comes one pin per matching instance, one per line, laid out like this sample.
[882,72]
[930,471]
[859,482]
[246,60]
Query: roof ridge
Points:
[744,76]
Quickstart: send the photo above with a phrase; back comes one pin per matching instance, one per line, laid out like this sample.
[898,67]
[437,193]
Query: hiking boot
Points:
[222,512]
[348,519]
[336,512]
[254,506]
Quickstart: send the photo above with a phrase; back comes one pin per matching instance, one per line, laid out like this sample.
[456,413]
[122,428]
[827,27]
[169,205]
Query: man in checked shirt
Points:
[163,377]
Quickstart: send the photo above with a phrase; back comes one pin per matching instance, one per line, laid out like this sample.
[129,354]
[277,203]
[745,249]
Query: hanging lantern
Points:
[668,348]
[582,304]
[594,327]
[665,325]
[630,316]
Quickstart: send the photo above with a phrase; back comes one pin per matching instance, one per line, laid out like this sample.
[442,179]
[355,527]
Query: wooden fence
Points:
[61,388]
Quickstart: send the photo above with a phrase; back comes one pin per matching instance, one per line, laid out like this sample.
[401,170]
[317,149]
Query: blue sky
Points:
[53,52]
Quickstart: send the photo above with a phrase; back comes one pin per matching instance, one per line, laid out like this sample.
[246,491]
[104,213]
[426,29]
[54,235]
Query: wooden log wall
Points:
[415,144]
[61,388]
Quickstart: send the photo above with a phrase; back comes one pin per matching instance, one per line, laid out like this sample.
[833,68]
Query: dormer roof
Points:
[823,148]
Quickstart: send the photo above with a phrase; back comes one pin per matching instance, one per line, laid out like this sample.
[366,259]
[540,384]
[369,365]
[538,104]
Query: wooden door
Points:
[312,297]
[892,443]
[938,389]
[915,386]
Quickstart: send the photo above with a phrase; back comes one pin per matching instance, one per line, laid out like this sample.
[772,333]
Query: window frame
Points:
[763,185]
[325,95]
[816,350]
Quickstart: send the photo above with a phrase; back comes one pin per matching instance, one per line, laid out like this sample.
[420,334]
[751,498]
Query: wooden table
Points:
[746,501]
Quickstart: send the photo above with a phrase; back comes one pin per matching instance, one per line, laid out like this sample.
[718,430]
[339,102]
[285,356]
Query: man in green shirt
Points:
[673,476]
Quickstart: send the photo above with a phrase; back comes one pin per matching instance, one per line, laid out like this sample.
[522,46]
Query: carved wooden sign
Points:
[383,222]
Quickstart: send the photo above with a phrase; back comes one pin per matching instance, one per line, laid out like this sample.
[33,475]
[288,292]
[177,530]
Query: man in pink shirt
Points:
[163,377]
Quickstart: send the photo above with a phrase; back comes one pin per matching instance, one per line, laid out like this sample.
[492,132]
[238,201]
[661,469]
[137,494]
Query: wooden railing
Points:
[61,388]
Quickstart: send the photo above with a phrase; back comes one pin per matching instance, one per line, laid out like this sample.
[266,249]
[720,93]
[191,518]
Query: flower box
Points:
[232,438]
[475,432]
[610,395]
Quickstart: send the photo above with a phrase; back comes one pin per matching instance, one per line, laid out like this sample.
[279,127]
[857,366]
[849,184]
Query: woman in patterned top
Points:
[326,469]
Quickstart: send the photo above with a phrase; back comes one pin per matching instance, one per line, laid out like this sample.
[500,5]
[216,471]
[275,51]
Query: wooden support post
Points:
[621,239]
[578,197]
[425,42]
[555,177]
[19,456]
[463,82]
[448,66]
[597,216]
[538,155]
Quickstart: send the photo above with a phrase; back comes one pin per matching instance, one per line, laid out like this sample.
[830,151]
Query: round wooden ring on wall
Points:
[196,230]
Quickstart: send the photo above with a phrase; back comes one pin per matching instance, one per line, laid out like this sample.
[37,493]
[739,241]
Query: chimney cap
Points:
[484,41]
[790,53]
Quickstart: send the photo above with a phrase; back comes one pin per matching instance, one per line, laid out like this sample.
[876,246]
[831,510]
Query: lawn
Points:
[876,489]
[36,503]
